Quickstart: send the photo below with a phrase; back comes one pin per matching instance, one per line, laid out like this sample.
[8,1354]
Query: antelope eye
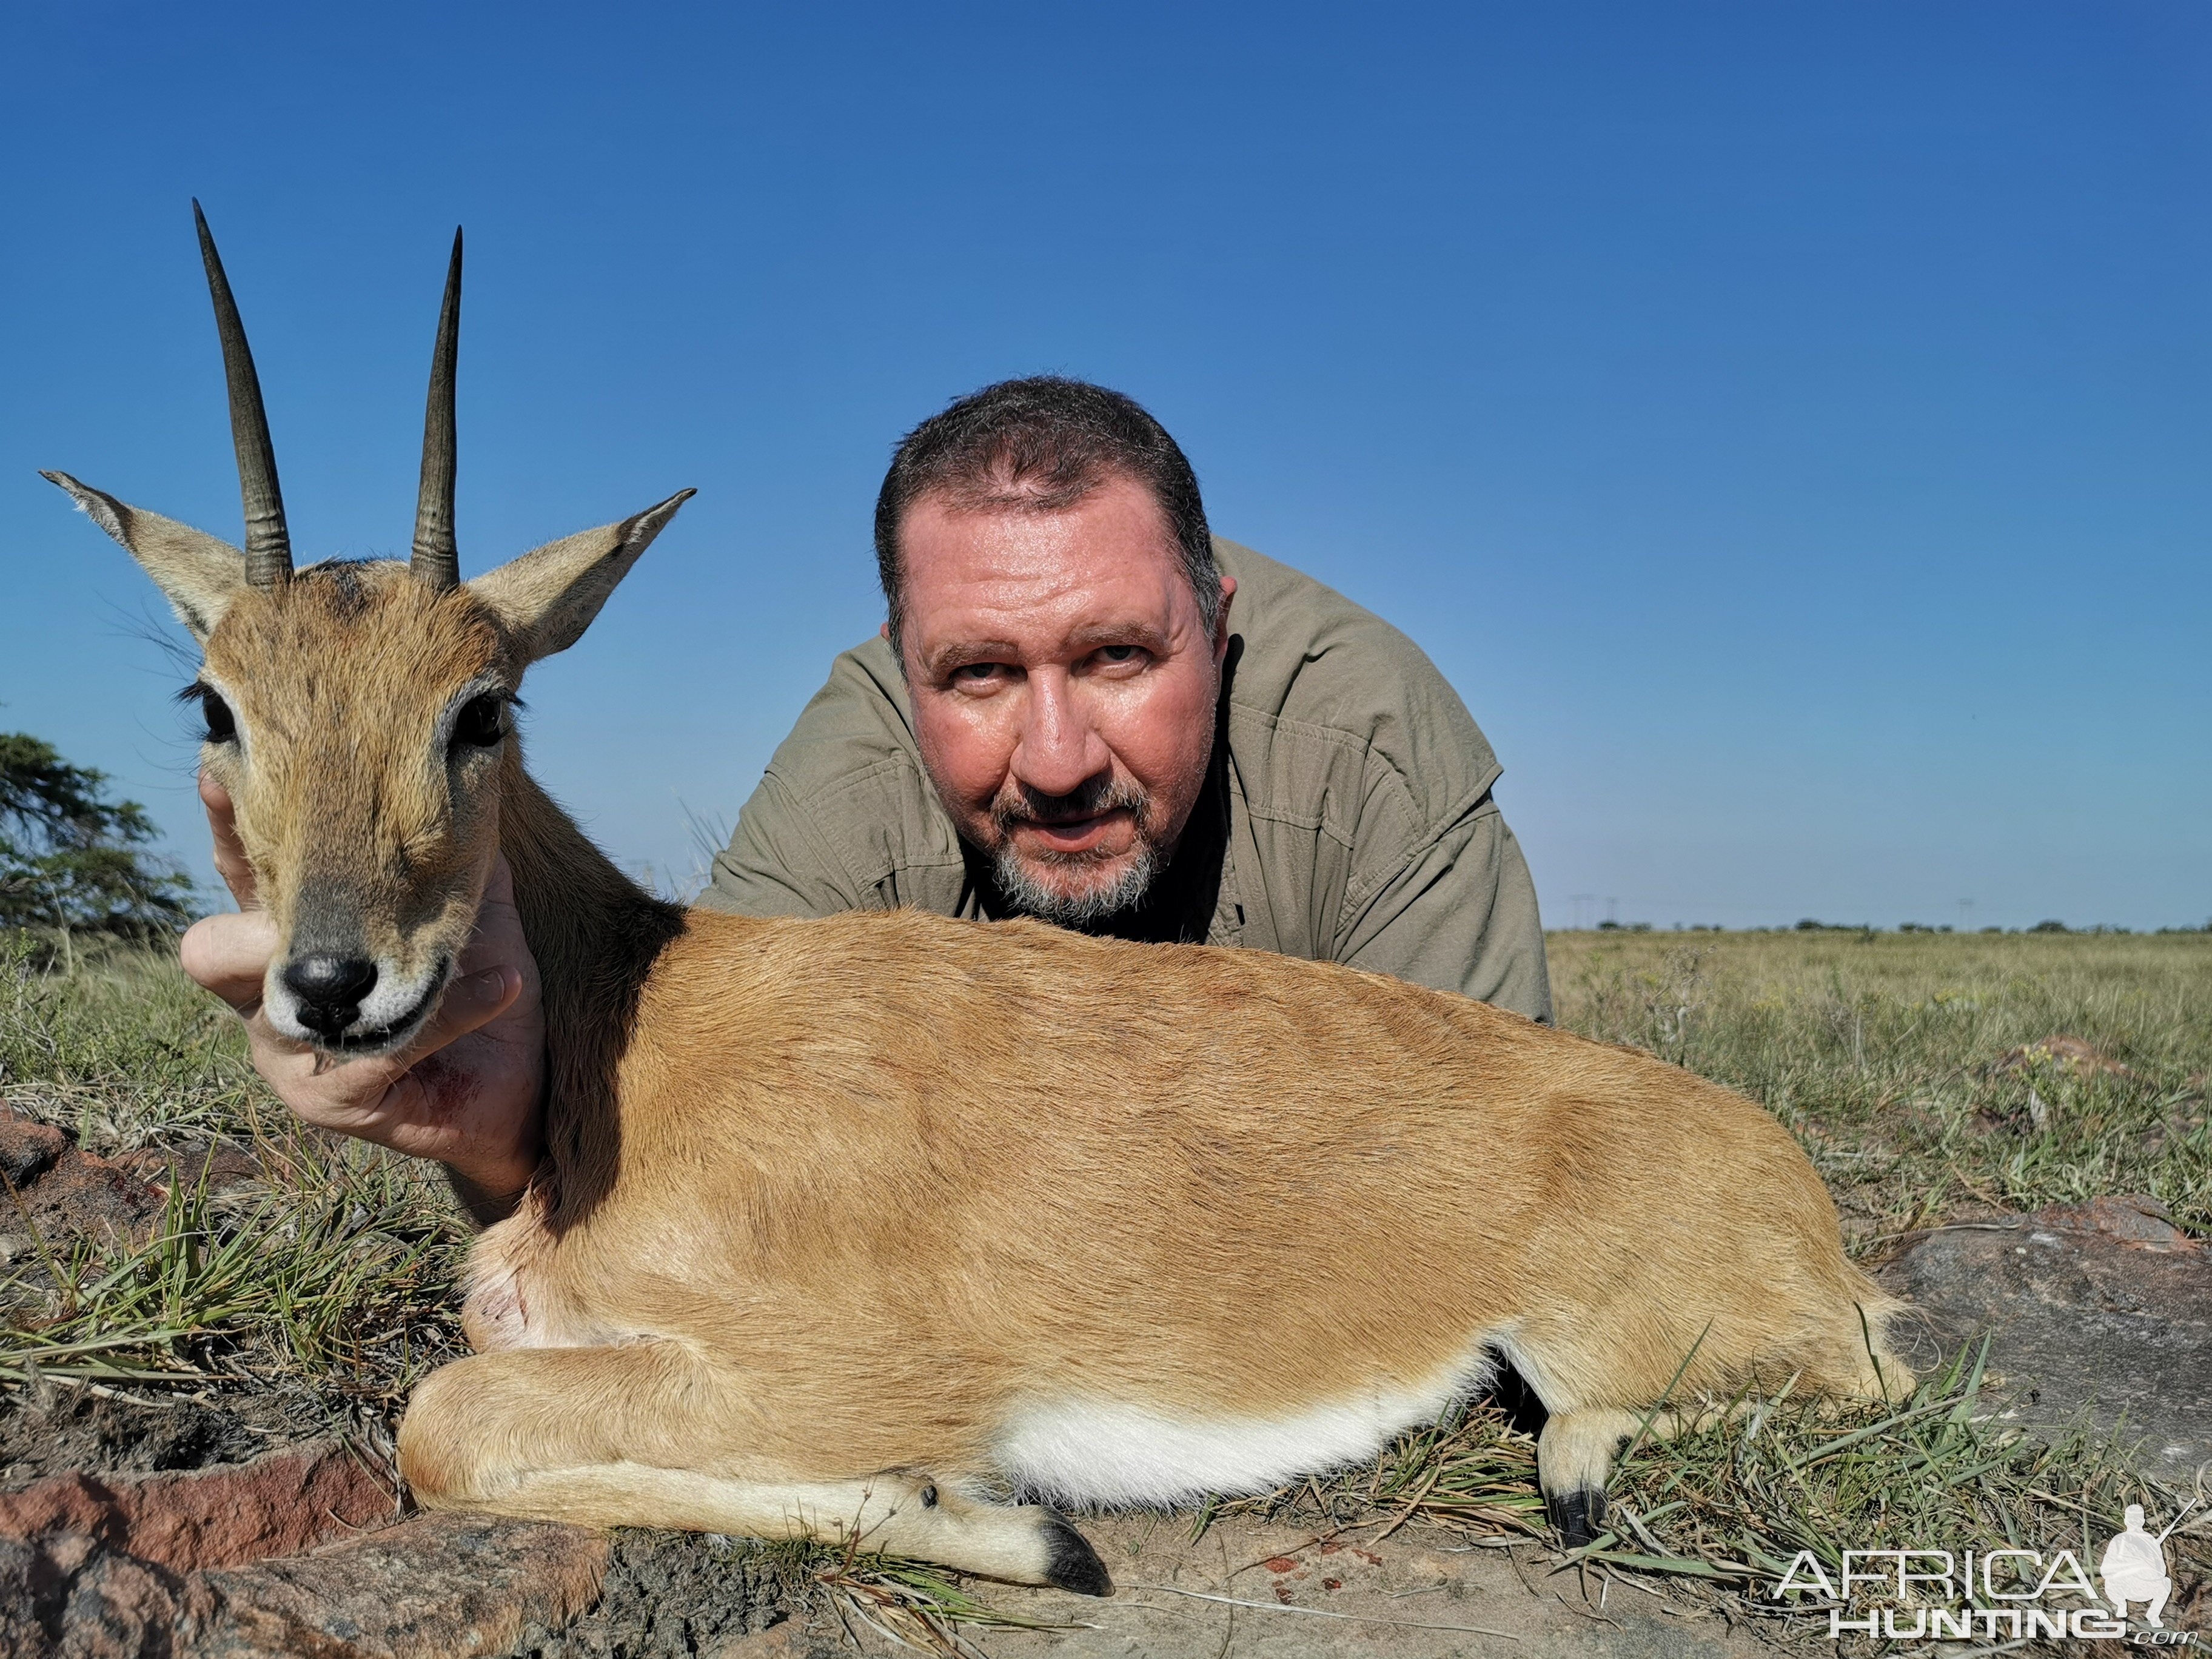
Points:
[480,723]
[221,725]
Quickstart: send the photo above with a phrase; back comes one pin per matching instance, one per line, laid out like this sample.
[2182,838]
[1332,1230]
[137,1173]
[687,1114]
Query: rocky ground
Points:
[167,1526]
[2106,1304]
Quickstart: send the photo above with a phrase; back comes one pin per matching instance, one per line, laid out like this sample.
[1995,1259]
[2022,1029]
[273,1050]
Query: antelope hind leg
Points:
[1574,1456]
[598,1436]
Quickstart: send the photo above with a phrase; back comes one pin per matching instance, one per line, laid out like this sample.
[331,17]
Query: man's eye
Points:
[221,724]
[479,723]
[1118,653]
[974,672]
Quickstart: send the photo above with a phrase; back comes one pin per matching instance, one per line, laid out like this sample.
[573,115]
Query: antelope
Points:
[873,1225]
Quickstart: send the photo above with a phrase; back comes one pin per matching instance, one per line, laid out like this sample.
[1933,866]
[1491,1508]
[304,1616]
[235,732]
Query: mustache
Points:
[1022,804]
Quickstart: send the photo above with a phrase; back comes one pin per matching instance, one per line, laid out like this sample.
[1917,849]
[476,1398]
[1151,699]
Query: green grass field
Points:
[1885,1054]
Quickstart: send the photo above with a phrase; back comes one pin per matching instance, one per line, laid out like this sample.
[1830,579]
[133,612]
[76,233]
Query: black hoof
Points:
[1070,1562]
[1578,1515]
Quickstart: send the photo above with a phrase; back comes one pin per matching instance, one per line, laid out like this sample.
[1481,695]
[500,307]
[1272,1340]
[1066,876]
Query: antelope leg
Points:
[633,1436]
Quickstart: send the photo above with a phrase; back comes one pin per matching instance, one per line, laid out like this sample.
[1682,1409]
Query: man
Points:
[1058,721]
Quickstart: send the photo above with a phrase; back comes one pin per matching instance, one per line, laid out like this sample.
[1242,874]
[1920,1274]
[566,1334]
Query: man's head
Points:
[1058,615]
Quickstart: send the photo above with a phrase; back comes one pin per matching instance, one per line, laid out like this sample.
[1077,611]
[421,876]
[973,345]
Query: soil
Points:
[672,1595]
[72,1429]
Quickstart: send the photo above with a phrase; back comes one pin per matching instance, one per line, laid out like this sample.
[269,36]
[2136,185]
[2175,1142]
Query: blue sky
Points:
[1788,426]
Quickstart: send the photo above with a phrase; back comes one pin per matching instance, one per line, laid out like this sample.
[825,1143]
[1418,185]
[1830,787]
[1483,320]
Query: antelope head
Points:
[359,713]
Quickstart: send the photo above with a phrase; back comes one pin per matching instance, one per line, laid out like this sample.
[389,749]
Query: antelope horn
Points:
[437,560]
[268,544]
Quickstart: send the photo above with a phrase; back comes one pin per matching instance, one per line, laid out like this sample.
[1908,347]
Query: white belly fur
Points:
[1076,1450]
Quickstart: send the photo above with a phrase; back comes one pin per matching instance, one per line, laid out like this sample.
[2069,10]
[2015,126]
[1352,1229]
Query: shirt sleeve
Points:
[1461,916]
[843,819]
[776,865]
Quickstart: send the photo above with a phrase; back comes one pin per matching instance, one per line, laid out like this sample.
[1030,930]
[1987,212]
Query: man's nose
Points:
[1059,749]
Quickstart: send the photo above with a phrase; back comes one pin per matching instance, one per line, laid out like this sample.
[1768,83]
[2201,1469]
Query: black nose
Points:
[329,988]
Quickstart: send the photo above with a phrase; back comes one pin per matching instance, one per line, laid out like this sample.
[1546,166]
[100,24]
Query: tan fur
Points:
[827,1203]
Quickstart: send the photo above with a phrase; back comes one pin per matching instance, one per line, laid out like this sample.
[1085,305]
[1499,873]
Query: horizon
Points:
[1784,428]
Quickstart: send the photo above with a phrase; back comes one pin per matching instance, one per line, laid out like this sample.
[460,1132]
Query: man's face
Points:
[1063,684]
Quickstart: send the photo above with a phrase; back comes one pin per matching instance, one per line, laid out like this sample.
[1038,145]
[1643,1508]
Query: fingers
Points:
[499,887]
[498,940]
[467,1090]
[229,956]
[472,1002]
[230,860]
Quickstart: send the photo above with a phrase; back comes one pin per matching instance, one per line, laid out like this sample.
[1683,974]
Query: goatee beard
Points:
[1027,892]
[1024,892]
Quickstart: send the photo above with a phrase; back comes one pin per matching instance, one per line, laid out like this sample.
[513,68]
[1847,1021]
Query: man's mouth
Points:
[1070,835]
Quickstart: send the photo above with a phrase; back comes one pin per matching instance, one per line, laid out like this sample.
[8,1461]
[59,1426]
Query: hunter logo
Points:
[2134,1569]
[2018,1595]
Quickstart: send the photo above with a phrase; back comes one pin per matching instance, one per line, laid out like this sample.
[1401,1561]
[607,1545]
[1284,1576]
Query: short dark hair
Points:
[1040,445]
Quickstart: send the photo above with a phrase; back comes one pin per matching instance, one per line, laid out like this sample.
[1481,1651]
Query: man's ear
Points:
[198,574]
[548,596]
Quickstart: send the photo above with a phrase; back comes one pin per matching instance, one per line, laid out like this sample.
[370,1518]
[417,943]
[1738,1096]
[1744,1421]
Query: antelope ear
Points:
[548,596]
[198,574]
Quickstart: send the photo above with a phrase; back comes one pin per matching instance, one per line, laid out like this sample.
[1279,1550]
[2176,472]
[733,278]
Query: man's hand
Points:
[468,1091]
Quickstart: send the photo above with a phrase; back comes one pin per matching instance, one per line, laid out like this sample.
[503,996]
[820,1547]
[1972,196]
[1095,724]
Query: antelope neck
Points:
[595,936]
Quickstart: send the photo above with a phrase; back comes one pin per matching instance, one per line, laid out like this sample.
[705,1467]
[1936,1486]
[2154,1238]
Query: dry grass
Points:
[318,1300]
[1880,1052]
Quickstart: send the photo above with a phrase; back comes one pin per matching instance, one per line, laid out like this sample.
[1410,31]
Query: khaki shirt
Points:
[1347,817]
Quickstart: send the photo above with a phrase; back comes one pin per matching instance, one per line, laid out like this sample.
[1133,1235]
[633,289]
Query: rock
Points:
[431,1588]
[118,1607]
[278,1504]
[73,1600]
[27,1149]
[64,1189]
[2105,1305]
[2066,1053]
[84,1196]
[672,1594]
[73,1188]
[2130,1219]
[29,1610]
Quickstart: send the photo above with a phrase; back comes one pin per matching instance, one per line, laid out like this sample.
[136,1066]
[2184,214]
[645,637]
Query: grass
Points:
[1720,1512]
[341,1283]
[1884,1053]
[334,1285]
